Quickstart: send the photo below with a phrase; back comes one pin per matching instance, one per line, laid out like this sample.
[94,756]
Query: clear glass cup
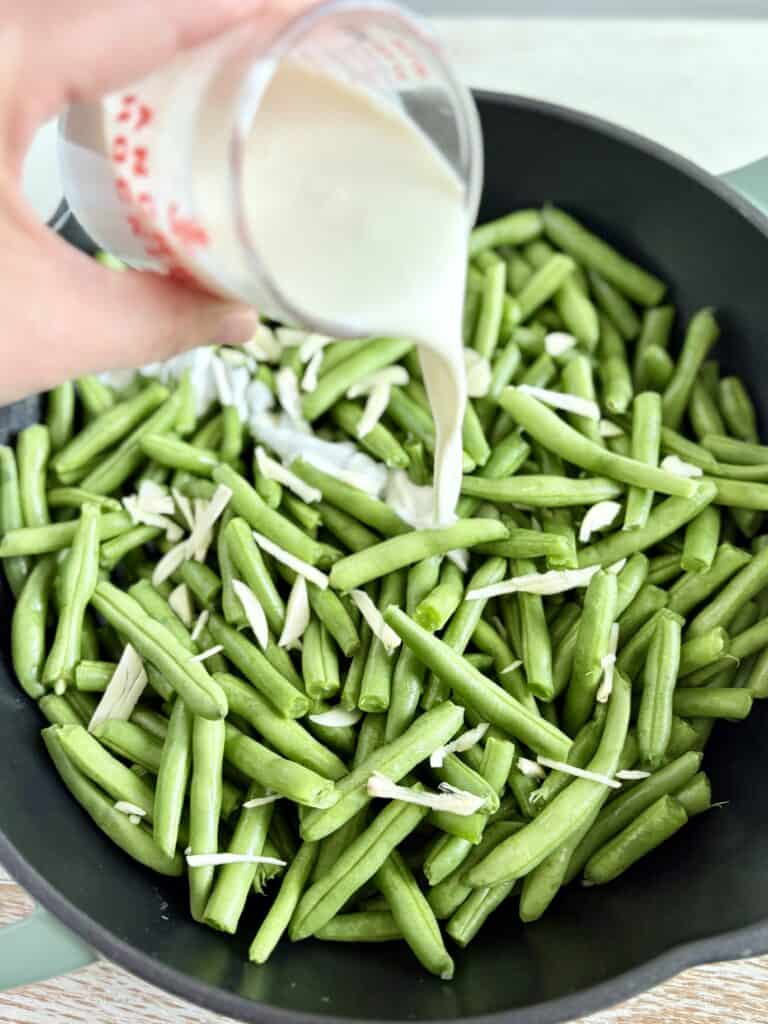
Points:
[154,172]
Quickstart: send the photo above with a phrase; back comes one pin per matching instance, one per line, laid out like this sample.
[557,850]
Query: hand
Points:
[64,314]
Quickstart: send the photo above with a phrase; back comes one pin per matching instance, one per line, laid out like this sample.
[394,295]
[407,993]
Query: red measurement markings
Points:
[187,230]
[120,149]
[134,113]
[140,158]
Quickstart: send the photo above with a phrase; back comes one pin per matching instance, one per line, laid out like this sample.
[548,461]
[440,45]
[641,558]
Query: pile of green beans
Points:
[596,701]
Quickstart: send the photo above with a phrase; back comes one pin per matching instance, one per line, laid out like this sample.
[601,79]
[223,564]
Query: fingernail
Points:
[236,328]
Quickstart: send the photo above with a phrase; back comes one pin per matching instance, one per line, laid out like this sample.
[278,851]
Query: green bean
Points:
[582,751]
[622,811]
[703,412]
[333,385]
[113,551]
[178,454]
[738,410]
[357,864]
[351,500]
[76,497]
[408,676]
[284,735]
[504,368]
[508,456]
[335,617]
[634,282]
[578,380]
[665,519]
[448,895]
[646,442]
[614,369]
[701,541]
[338,351]
[132,839]
[157,607]
[204,806]
[246,502]
[58,711]
[160,647]
[550,431]
[407,549]
[460,775]
[540,373]
[345,528]
[649,600]
[705,650]
[472,299]
[202,581]
[186,421]
[655,331]
[513,229]
[411,417]
[270,682]
[233,883]
[651,828]
[741,589]
[129,741]
[526,849]
[462,626]
[112,471]
[79,574]
[615,307]
[284,906]
[655,369]
[284,776]
[519,272]
[306,516]
[664,568]
[654,723]
[11,519]
[376,684]
[319,662]
[539,491]
[592,646]
[231,606]
[541,885]
[379,441]
[413,915]
[394,759]
[436,608]
[172,778]
[696,795]
[444,857]
[270,491]
[119,782]
[485,697]
[60,414]
[631,581]
[360,926]
[577,312]
[350,691]
[95,397]
[713,703]
[701,335]
[543,284]
[486,637]
[536,647]
[689,451]
[232,435]
[28,644]
[732,449]
[487,330]
[108,428]
[33,448]
[473,437]
[694,588]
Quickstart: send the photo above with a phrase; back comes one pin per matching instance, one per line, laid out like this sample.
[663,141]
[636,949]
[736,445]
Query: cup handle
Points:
[37,948]
[752,181]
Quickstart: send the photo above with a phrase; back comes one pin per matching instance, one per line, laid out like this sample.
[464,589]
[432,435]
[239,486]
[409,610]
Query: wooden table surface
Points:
[712,121]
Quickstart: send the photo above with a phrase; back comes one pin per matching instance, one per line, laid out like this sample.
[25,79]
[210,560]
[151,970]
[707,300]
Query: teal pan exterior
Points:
[702,897]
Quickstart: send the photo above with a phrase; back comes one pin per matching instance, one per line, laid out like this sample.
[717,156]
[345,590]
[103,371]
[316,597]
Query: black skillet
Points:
[702,897]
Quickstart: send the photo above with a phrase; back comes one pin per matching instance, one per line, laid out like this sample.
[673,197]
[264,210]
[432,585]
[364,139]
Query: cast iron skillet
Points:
[703,897]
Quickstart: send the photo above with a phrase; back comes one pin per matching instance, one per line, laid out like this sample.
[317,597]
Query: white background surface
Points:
[700,87]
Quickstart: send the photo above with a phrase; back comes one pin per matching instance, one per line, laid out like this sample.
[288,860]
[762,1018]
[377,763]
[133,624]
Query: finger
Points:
[72,316]
[80,49]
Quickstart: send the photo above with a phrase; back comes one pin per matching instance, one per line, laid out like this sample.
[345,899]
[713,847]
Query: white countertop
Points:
[698,87]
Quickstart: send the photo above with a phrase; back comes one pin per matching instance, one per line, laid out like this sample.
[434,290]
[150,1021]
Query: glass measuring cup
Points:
[155,172]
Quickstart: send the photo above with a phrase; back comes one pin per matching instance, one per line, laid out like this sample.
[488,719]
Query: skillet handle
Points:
[752,181]
[38,948]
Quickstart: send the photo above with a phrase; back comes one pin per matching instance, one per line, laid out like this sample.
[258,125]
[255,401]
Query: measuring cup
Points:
[154,172]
